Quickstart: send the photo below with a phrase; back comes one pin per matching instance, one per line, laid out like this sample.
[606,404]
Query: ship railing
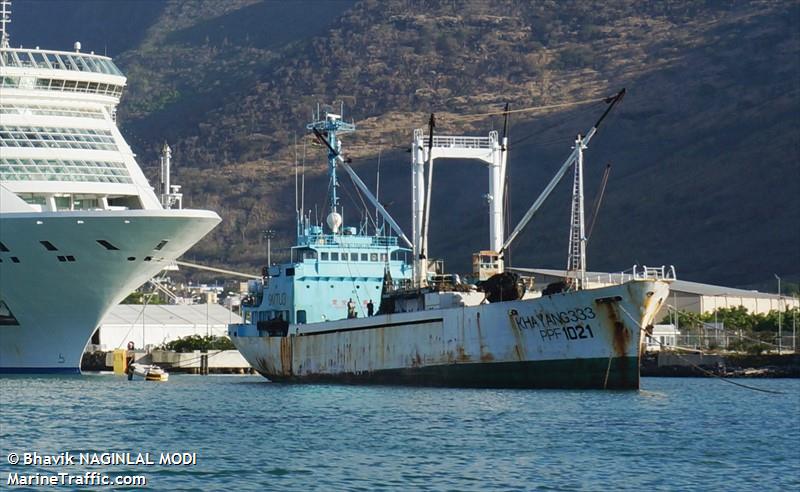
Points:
[653,273]
[384,241]
[644,272]
[336,239]
[460,142]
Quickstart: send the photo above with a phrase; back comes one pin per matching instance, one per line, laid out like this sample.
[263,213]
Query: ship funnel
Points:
[334,221]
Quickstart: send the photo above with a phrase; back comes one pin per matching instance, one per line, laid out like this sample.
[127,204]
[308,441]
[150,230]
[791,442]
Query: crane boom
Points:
[560,174]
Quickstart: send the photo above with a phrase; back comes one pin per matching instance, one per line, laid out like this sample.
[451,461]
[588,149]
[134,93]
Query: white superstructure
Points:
[80,226]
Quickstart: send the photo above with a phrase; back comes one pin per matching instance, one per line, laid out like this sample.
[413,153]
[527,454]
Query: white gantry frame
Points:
[488,150]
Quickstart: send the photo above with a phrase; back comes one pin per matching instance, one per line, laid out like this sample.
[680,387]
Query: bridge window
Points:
[3,248]
[399,256]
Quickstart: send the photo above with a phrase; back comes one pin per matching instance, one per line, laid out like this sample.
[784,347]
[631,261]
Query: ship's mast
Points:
[576,260]
[5,19]
[170,194]
[330,126]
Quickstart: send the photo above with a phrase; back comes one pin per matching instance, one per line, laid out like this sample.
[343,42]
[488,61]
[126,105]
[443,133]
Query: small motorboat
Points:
[146,372]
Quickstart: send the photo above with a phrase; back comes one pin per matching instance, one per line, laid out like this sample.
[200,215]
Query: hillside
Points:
[704,149]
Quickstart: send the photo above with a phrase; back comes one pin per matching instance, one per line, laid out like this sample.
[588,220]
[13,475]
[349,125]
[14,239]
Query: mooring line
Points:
[705,371]
[608,370]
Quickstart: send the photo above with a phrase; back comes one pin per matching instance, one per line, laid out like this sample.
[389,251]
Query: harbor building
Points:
[663,336]
[156,324]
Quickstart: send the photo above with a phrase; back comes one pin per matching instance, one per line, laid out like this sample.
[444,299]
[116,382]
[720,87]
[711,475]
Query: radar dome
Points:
[334,221]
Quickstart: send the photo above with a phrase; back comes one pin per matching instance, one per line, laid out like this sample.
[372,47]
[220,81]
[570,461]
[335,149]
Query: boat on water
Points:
[80,226]
[429,328]
[147,372]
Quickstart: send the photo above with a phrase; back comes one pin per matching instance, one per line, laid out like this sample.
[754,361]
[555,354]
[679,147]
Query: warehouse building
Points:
[156,324]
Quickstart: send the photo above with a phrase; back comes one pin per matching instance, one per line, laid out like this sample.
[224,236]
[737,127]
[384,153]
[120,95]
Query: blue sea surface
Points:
[250,434]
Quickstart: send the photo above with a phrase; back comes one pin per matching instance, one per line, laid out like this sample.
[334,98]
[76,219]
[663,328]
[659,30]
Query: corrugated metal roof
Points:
[169,314]
[676,286]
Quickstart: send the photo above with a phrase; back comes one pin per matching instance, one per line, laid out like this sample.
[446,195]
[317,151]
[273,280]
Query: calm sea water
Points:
[249,434]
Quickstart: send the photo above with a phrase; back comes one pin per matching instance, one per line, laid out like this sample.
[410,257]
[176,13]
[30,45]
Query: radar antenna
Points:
[327,129]
[5,19]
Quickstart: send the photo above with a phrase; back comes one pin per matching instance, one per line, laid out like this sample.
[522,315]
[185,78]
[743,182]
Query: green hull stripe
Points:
[622,373]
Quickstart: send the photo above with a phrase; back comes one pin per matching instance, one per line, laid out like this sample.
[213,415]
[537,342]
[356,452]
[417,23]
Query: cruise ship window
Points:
[324,256]
[26,59]
[383,257]
[61,64]
[39,59]
[70,62]
[89,63]
[107,245]
[9,82]
[364,257]
[334,256]
[101,64]
[63,203]
[373,257]
[48,246]
[353,256]
[161,244]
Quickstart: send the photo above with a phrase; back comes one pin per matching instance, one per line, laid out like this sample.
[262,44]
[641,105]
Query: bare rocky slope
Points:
[705,148]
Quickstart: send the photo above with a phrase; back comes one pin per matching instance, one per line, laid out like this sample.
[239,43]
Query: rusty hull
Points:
[586,339]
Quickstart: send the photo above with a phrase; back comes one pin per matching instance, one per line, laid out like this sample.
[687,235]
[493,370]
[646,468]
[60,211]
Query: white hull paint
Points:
[590,338]
[59,304]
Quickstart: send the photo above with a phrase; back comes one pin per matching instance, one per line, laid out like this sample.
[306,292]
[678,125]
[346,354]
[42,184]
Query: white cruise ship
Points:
[80,227]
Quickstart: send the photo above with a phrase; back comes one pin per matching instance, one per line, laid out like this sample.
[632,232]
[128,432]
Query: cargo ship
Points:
[306,322]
